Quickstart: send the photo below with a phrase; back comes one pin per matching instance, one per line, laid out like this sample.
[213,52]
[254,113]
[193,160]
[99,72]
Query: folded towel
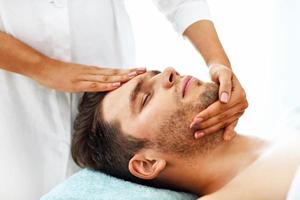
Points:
[91,185]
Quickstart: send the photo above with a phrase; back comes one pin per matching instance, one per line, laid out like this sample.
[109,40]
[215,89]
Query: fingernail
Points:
[198,134]
[117,84]
[132,74]
[196,122]
[192,125]
[224,97]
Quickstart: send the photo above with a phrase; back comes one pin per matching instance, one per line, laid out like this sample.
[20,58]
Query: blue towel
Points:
[91,185]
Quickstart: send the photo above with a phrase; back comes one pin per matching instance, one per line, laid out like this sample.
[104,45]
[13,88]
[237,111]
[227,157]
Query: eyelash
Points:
[145,100]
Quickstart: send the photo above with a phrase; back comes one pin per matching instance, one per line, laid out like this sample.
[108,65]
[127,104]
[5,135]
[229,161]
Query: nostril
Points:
[171,78]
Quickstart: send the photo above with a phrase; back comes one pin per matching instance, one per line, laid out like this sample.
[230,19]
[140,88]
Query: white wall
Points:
[246,29]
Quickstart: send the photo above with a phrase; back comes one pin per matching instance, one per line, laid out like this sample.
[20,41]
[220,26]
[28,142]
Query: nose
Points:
[169,77]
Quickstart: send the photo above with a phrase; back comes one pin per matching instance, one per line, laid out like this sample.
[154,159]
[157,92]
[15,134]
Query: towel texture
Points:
[91,185]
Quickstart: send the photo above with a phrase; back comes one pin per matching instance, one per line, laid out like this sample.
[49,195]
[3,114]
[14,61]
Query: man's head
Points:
[135,131]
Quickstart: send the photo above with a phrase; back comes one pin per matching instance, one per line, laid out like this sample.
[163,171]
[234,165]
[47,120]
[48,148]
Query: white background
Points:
[246,31]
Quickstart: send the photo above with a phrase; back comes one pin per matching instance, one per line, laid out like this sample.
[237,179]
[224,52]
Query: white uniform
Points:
[36,122]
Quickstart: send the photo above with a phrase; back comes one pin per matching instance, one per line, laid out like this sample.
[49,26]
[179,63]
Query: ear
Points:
[146,167]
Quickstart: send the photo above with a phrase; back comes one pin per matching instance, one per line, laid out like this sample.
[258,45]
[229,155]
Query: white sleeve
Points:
[183,13]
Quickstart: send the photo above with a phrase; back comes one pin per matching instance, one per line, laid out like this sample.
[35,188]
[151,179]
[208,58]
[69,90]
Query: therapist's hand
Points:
[223,114]
[70,77]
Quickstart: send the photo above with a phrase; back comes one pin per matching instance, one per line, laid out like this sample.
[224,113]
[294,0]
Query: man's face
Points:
[159,107]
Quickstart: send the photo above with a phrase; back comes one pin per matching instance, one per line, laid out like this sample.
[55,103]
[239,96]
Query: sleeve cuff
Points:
[188,13]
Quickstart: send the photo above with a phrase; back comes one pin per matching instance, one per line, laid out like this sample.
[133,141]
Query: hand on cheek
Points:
[222,115]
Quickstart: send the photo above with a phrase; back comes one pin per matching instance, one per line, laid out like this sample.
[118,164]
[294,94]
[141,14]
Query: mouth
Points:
[186,84]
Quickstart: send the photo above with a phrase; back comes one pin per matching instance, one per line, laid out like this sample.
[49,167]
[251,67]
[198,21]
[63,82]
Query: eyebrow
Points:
[137,89]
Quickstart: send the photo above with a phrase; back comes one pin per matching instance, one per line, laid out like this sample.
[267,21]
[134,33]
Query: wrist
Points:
[216,70]
[216,64]
[40,66]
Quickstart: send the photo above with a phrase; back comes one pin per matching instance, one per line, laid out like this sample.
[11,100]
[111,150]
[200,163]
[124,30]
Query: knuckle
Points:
[207,115]
[222,116]
[245,105]
[114,71]
[105,78]
[243,95]
[227,71]
[226,86]
[224,108]
[236,116]
[124,77]
[93,85]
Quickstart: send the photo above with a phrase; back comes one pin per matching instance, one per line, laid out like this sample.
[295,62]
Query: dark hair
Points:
[100,145]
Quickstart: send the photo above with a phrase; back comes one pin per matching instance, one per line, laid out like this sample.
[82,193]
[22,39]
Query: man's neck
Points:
[205,174]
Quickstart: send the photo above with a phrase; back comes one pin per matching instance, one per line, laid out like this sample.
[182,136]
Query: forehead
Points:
[116,104]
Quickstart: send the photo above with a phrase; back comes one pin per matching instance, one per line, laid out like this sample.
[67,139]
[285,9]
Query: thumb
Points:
[225,87]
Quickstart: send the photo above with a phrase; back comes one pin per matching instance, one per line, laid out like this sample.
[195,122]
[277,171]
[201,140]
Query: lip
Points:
[186,83]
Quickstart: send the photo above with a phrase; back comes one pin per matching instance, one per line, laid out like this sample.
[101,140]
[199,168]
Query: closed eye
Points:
[146,99]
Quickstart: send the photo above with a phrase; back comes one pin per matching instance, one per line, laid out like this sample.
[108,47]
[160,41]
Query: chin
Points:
[210,94]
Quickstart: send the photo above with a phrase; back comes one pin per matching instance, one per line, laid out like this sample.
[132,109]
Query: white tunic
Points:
[36,122]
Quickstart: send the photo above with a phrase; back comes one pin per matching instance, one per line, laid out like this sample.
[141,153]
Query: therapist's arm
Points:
[203,36]
[226,112]
[17,57]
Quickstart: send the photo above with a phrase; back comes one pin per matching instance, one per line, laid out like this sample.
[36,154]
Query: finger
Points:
[88,86]
[239,108]
[213,110]
[238,92]
[225,88]
[107,78]
[110,71]
[218,126]
[229,132]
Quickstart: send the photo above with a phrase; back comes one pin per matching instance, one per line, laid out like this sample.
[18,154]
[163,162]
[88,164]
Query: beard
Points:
[175,133]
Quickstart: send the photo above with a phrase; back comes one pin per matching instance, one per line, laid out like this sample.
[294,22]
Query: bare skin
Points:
[268,178]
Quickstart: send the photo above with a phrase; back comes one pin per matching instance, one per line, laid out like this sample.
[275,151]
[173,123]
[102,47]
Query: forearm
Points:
[16,56]
[203,36]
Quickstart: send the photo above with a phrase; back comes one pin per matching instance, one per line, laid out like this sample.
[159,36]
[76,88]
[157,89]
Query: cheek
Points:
[156,112]
[159,107]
